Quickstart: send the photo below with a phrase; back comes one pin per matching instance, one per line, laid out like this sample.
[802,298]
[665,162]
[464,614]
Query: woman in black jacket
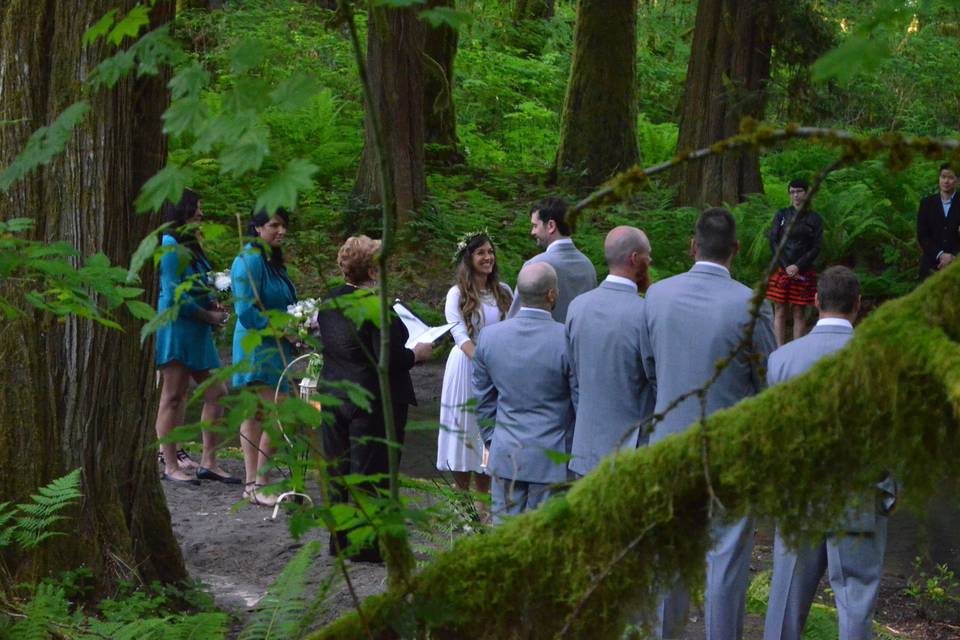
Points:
[794,282]
[356,441]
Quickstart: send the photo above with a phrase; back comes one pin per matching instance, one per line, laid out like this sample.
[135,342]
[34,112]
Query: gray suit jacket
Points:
[525,386]
[794,359]
[603,344]
[575,275]
[695,319]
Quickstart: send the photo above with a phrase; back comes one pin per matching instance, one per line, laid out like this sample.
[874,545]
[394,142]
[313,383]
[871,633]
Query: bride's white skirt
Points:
[459,446]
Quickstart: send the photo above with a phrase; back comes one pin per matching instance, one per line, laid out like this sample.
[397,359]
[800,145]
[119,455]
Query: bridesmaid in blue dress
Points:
[260,283]
[185,345]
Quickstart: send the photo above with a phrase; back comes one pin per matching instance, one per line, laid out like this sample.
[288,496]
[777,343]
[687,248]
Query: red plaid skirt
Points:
[784,289]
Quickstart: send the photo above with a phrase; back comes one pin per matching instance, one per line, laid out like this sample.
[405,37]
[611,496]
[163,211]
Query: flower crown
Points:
[464,241]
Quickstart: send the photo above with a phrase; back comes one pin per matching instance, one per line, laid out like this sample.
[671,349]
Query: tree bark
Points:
[439,115]
[75,394]
[395,39]
[726,81]
[533,9]
[598,131]
[796,453]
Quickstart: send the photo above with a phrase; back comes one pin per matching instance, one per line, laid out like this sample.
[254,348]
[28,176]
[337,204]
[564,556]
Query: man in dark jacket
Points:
[937,225]
[794,282]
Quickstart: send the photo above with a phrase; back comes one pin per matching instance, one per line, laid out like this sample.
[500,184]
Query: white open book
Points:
[418,329]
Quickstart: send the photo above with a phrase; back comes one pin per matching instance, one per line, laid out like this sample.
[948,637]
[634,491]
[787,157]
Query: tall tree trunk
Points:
[439,114]
[726,81]
[533,9]
[598,134]
[75,394]
[394,64]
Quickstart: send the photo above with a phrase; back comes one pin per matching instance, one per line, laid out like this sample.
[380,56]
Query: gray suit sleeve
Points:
[572,362]
[646,352]
[485,393]
[764,343]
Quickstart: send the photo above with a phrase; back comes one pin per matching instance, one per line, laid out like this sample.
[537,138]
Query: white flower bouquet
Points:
[304,316]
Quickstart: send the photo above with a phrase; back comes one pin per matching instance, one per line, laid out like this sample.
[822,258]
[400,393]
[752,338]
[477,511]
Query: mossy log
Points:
[797,452]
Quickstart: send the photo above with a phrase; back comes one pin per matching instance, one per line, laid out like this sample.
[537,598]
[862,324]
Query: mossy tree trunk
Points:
[439,114]
[797,453]
[726,81]
[598,131]
[395,39]
[75,394]
[533,9]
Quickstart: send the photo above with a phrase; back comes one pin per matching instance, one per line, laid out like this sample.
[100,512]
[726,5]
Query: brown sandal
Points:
[260,499]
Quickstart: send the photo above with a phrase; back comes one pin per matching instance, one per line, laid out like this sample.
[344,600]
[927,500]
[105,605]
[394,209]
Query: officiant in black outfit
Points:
[938,221]
[355,442]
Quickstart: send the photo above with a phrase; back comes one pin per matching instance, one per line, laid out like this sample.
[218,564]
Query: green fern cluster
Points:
[31,523]
[287,611]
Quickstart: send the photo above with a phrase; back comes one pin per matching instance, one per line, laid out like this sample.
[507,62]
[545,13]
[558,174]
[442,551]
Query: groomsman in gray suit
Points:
[525,392]
[852,557]
[575,273]
[694,320]
[603,343]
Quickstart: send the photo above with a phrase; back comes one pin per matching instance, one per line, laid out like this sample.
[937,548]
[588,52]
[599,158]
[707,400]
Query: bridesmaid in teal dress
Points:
[260,283]
[185,346]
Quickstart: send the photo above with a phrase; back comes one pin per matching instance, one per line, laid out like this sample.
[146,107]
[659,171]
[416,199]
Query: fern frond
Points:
[31,523]
[49,605]
[284,604]
[6,526]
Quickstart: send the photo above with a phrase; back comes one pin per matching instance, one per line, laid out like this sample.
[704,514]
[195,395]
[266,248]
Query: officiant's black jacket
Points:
[937,233]
[345,358]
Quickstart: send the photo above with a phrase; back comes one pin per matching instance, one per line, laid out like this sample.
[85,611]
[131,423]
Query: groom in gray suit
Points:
[694,320]
[603,344]
[525,392]
[853,557]
[575,272]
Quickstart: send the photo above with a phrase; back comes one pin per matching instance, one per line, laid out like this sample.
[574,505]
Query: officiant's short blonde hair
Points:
[356,258]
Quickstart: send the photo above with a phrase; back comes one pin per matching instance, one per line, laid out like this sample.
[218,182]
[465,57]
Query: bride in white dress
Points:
[478,300]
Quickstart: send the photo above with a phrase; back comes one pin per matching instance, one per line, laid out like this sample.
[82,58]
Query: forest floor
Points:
[237,550]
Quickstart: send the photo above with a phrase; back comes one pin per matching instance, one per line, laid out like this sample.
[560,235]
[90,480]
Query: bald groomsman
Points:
[604,329]
[525,393]
[694,320]
[575,273]
[853,556]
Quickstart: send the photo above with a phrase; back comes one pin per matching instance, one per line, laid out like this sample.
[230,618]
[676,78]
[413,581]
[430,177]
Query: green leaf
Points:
[857,54]
[143,253]
[99,29]
[295,92]
[245,153]
[17,225]
[245,55]
[168,184]
[185,115]
[131,24]
[161,319]
[557,457]
[44,145]
[111,70]
[140,310]
[248,94]
[189,82]
[282,189]
[449,16]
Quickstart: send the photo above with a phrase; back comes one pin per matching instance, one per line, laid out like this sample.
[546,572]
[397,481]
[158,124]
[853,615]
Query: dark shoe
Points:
[205,474]
[192,481]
